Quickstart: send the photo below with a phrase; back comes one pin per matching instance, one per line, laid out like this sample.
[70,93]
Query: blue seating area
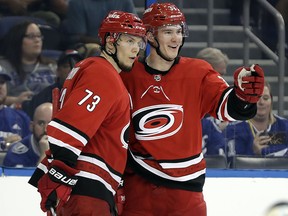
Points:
[50,53]
[52,36]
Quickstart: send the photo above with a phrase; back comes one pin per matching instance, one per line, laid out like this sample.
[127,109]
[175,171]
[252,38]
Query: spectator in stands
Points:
[265,134]
[30,71]
[215,57]
[52,11]
[219,62]
[14,124]
[65,63]
[82,22]
[213,142]
[31,150]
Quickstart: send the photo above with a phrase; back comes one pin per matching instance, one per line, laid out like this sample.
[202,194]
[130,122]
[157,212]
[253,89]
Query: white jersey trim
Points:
[226,114]
[95,177]
[99,164]
[164,175]
[42,167]
[69,132]
[182,164]
[65,145]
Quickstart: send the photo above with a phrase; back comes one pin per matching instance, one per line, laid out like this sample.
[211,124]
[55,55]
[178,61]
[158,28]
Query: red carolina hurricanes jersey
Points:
[166,115]
[90,130]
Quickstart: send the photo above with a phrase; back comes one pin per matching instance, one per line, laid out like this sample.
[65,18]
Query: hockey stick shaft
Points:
[55,100]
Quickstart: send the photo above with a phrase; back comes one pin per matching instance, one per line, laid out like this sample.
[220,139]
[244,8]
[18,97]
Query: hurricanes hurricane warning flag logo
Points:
[157,122]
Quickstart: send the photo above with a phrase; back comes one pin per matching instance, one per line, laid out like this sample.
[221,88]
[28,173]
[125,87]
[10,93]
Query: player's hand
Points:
[56,185]
[249,83]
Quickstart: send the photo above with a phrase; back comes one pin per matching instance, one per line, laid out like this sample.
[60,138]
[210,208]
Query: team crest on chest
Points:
[158,121]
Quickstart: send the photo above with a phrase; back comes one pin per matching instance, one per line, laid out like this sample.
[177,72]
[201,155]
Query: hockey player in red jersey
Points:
[170,95]
[88,134]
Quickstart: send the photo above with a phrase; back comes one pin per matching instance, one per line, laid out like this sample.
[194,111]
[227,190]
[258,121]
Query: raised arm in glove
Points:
[249,83]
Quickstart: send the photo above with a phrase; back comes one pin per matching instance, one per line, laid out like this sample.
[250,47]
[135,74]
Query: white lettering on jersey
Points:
[157,122]
[61,99]
[96,99]
[72,73]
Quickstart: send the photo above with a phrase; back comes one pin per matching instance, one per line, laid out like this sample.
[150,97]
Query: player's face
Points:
[264,105]
[170,39]
[128,49]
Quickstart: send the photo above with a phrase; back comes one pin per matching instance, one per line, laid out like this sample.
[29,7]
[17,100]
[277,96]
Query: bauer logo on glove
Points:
[56,186]
[249,83]
[59,177]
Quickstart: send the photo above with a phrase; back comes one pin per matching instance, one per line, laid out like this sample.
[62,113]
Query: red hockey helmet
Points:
[163,14]
[117,22]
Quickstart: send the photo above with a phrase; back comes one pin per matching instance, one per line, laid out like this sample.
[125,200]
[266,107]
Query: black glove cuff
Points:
[239,109]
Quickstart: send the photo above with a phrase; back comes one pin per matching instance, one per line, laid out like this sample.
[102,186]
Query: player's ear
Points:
[150,37]
[110,44]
